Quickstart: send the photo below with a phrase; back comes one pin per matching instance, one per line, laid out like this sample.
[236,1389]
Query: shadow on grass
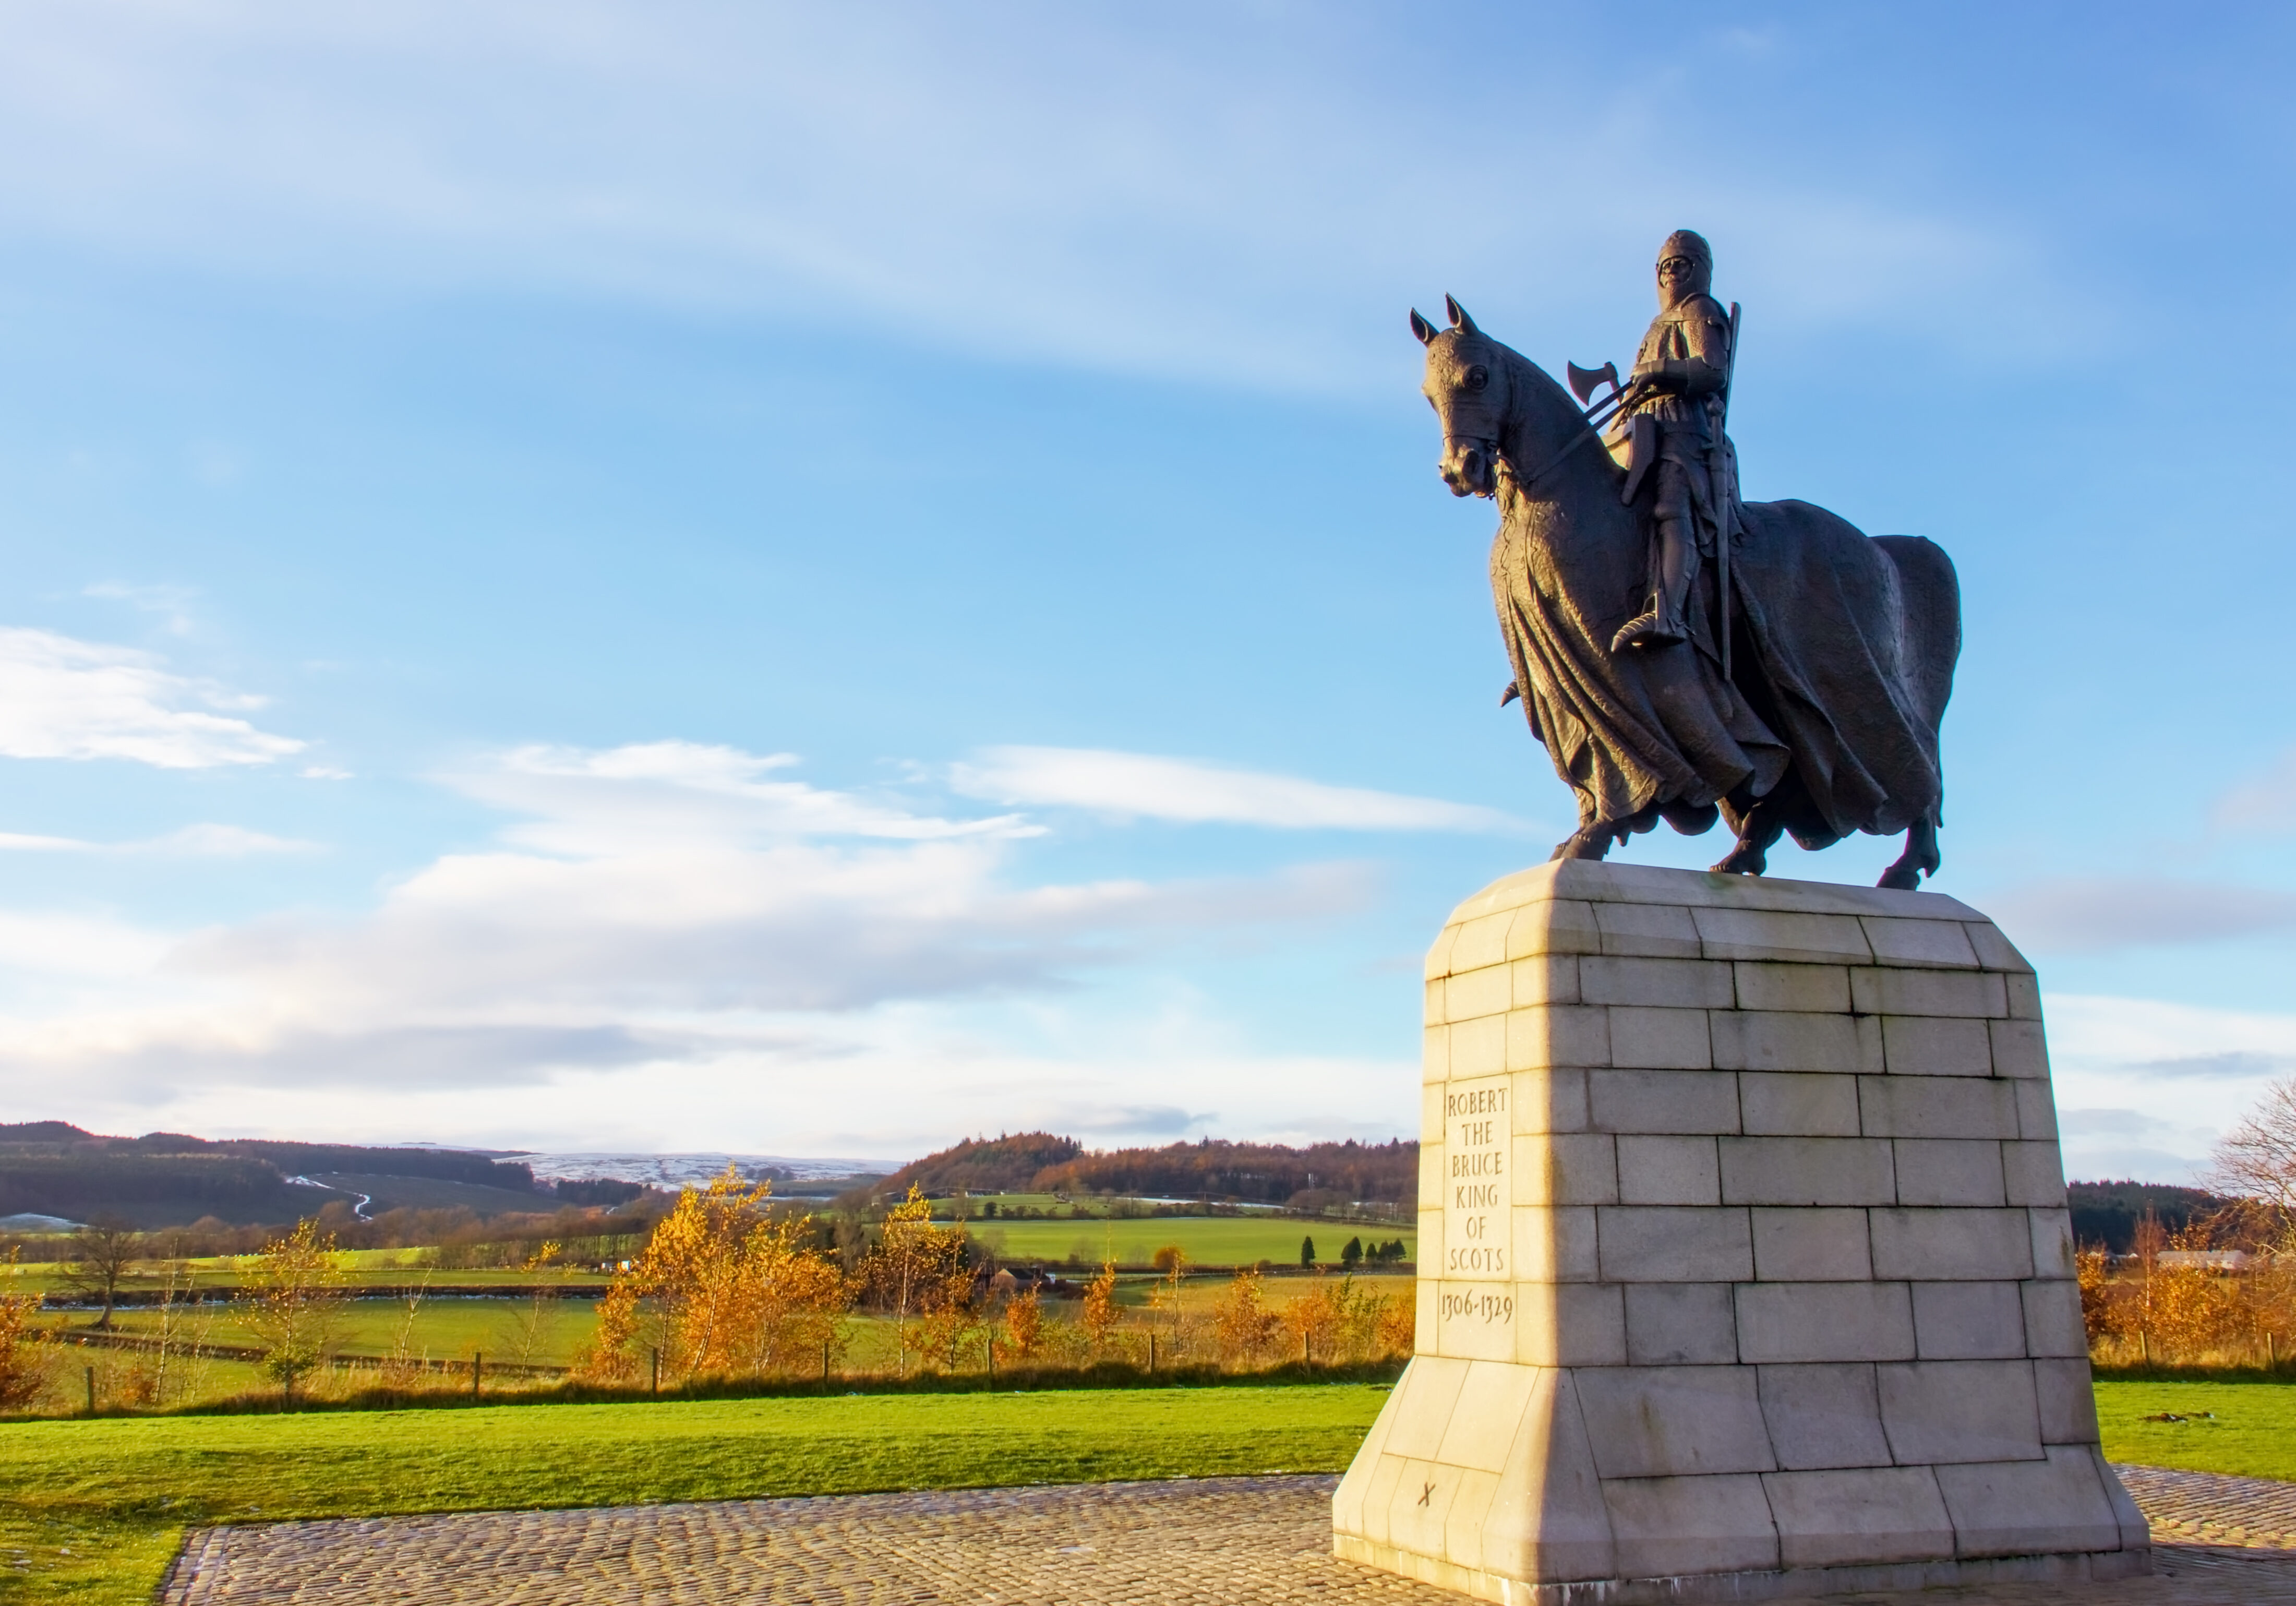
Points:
[1106,1375]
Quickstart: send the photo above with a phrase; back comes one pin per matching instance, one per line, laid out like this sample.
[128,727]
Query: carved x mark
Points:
[1425,1491]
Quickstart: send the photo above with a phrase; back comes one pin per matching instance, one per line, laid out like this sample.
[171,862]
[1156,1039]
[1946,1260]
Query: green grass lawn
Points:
[91,1512]
[2245,1428]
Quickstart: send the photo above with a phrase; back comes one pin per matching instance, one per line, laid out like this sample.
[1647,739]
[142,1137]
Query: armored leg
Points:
[1673,563]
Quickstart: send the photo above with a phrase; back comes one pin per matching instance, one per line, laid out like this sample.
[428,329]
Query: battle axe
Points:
[1583,381]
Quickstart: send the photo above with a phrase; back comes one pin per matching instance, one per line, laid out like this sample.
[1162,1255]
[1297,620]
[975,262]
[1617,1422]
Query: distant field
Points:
[443,1330]
[1214,1241]
[361,1268]
[94,1509]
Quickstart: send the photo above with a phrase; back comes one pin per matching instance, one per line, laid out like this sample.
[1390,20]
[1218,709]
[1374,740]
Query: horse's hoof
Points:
[1743,862]
[1901,878]
[1591,843]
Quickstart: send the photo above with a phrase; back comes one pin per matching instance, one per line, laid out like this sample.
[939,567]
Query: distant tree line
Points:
[2107,1214]
[1037,1162]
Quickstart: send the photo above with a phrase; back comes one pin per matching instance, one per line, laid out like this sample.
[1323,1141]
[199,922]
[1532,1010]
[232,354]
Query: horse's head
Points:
[1466,384]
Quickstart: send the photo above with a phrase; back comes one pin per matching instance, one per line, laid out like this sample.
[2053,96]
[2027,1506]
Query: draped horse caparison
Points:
[1843,645]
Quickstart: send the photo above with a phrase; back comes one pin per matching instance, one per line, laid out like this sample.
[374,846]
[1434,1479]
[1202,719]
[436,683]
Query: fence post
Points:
[654,1386]
[989,1347]
[91,1391]
[1151,1352]
[824,1363]
[478,1361]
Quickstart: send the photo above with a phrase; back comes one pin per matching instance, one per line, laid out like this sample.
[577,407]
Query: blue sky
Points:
[722,576]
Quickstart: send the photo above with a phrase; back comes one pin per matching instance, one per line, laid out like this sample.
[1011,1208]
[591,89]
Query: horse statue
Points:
[1841,646]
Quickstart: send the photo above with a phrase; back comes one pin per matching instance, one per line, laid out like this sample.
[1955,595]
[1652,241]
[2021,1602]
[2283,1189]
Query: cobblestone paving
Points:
[1232,1541]
[2201,1506]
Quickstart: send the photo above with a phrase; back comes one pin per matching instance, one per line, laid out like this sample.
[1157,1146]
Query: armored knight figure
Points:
[1674,428]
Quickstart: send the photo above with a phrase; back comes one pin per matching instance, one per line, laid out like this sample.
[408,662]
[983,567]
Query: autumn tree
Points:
[914,1271]
[1315,1318]
[1241,1323]
[2257,1158]
[723,1287]
[1024,1326]
[1101,1312]
[292,1301]
[28,1360]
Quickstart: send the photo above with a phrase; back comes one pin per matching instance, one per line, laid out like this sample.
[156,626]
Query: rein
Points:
[1525,481]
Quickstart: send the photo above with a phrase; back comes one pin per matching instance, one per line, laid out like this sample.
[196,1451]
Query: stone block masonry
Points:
[1745,1266]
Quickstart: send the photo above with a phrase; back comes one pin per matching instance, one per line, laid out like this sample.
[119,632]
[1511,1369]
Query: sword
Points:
[1727,518]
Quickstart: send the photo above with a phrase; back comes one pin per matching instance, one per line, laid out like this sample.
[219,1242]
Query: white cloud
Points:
[588,802]
[1142,785]
[2138,1077]
[65,698]
[667,906]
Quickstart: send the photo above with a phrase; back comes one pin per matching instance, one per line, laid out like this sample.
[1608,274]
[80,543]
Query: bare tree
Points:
[2257,1158]
[103,1252]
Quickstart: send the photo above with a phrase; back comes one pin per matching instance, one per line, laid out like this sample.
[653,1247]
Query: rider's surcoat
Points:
[1688,426]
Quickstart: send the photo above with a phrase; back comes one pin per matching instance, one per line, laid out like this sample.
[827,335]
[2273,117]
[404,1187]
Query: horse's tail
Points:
[1931,626]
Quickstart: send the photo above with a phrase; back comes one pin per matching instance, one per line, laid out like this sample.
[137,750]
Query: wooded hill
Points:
[1037,1162]
[170,1179]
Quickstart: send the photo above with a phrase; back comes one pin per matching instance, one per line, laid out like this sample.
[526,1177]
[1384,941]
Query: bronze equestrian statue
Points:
[1684,655]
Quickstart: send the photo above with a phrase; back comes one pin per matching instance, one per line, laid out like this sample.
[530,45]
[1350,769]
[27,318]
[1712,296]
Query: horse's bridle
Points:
[1501,464]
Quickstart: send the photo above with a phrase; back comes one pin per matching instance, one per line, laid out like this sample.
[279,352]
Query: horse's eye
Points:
[1478,377]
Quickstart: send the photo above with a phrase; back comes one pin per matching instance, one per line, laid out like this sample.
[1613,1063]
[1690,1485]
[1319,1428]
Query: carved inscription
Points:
[1476,1197]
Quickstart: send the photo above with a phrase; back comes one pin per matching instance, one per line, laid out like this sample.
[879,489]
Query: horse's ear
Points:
[1421,327]
[1459,318]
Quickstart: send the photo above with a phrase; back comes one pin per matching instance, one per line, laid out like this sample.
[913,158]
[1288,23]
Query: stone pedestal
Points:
[1745,1263]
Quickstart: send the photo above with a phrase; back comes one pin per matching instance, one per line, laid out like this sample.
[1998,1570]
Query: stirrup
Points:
[1646,630]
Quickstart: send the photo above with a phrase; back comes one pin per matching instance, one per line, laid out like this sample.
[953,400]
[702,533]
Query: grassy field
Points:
[516,1333]
[443,1330]
[90,1511]
[2246,1429]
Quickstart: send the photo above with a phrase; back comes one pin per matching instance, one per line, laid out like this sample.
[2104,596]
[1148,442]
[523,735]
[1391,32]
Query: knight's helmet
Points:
[1690,243]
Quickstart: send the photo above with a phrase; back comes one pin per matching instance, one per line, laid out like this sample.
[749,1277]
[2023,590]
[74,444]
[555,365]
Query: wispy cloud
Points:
[2087,915]
[1097,188]
[61,698]
[2265,803]
[585,801]
[203,841]
[173,603]
[1143,785]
